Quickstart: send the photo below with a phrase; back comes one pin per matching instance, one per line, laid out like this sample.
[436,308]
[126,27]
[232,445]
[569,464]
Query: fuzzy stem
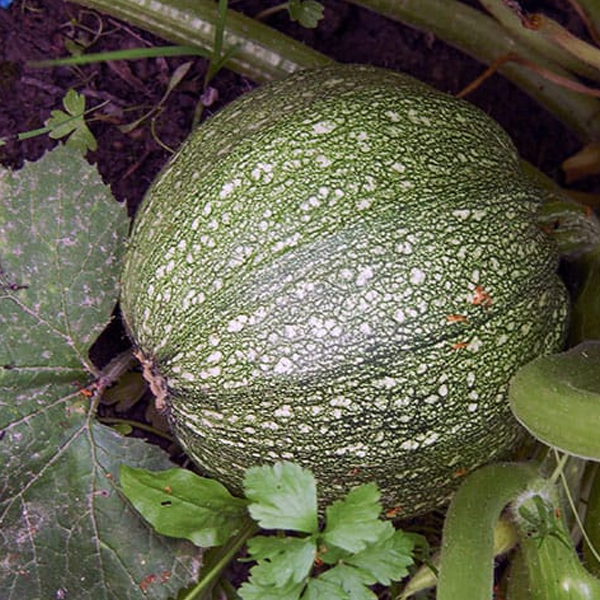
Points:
[466,565]
[136,425]
[553,566]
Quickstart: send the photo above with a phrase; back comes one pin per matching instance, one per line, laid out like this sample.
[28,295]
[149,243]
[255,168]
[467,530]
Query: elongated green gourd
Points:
[343,269]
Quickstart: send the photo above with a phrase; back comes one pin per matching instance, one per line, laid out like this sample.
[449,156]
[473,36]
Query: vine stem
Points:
[219,561]
[263,15]
[485,39]
[530,32]
[137,425]
[467,556]
[261,53]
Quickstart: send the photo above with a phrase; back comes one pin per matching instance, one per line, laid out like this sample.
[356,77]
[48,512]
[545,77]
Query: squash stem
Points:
[485,39]
[261,53]
[591,9]
[217,561]
[537,40]
[467,556]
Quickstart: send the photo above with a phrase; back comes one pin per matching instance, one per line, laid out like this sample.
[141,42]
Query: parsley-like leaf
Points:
[306,12]
[72,123]
[386,560]
[281,561]
[254,591]
[352,581]
[282,496]
[353,523]
[321,589]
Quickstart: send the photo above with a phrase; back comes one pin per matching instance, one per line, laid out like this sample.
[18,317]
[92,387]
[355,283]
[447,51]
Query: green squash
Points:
[343,269]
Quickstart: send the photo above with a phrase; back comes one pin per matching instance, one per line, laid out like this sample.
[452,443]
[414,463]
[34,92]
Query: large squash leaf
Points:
[66,530]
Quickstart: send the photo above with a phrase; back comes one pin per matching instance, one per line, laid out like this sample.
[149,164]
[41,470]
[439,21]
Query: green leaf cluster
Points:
[353,550]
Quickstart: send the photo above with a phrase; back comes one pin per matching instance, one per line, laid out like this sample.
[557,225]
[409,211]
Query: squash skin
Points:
[344,269]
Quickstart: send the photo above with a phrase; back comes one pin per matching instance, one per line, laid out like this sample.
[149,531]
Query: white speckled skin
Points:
[344,269]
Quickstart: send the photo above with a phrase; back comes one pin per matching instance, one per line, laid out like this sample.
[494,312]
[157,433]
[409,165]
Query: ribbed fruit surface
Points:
[343,269]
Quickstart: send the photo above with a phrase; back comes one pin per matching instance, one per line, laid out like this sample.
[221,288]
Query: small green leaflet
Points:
[348,580]
[386,560]
[72,124]
[65,529]
[306,12]
[282,561]
[353,523]
[283,496]
[180,504]
[540,520]
[252,591]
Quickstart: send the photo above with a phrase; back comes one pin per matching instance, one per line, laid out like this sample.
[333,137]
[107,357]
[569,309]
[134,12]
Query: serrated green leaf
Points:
[180,504]
[306,12]
[386,560]
[72,124]
[353,581]
[283,496]
[321,589]
[253,591]
[74,102]
[353,522]
[65,529]
[281,561]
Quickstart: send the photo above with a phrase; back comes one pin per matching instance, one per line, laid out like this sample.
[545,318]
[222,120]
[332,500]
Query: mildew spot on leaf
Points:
[62,515]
